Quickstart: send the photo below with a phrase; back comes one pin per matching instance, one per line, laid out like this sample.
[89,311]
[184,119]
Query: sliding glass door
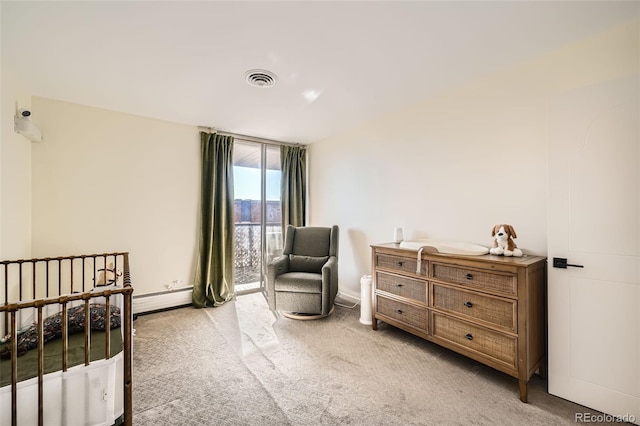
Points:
[258,229]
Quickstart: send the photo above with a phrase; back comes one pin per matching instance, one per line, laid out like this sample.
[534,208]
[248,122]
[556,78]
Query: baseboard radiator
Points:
[162,300]
[152,302]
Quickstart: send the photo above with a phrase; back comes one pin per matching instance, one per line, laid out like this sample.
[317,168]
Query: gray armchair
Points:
[303,282]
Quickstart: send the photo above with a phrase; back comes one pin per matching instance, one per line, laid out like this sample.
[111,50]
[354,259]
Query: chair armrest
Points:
[329,284]
[276,267]
[331,266]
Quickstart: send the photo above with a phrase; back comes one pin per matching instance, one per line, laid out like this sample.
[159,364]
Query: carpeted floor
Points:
[241,364]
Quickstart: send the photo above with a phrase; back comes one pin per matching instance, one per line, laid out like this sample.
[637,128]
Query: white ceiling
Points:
[185,61]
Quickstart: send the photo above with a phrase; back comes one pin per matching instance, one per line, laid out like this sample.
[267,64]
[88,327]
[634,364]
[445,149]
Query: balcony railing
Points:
[248,250]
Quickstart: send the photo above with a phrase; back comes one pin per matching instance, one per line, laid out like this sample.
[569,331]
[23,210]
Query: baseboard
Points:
[170,299]
[348,296]
[162,300]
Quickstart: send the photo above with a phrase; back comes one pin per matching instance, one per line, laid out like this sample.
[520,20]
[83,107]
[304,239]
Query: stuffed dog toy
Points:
[503,243]
[108,276]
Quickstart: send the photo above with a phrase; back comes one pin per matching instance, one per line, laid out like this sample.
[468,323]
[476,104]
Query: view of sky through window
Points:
[246,182]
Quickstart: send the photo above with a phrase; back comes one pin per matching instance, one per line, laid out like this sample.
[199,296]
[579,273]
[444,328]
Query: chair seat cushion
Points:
[299,282]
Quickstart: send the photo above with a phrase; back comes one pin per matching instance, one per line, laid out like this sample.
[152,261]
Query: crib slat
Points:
[94,273]
[71,277]
[40,367]
[128,345]
[46,278]
[107,326]
[65,335]
[59,277]
[87,331]
[14,370]
[20,280]
[6,299]
[33,269]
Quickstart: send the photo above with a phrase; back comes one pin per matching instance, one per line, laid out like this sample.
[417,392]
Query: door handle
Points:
[561,262]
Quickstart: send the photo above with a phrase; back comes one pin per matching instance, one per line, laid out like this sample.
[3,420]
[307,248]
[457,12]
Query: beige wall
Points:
[15,173]
[455,165]
[106,181]
[450,167]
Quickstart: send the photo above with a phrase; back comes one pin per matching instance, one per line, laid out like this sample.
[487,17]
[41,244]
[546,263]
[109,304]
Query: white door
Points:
[594,221]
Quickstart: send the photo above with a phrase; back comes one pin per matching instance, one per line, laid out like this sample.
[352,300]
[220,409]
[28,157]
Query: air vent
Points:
[260,78]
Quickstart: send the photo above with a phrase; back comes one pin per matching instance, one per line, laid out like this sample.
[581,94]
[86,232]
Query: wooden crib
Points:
[73,320]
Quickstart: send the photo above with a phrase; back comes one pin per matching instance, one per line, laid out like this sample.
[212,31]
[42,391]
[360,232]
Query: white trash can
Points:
[365,300]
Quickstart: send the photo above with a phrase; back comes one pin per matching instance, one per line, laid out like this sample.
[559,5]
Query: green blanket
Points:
[28,363]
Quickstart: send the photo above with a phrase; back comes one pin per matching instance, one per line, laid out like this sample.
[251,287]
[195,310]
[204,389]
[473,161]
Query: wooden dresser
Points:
[489,308]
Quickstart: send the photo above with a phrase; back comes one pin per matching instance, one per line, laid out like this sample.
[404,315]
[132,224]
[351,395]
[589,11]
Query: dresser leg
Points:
[374,323]
[524,390]
[542,370]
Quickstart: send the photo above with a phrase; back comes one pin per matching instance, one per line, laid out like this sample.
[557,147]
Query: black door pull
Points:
[561,262]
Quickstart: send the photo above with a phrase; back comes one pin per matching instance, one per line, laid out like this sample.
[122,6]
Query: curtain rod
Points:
[247,138]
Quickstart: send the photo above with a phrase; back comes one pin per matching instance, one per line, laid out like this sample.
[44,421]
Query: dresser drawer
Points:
[476,278]
[495,345]
[402,286]
[496,311]
[399,263]
[411,315]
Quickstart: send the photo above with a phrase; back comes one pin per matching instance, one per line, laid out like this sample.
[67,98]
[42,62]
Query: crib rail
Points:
[30,284]
[25,279]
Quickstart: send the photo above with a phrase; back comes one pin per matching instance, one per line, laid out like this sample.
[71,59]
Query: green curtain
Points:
[213,284]
[293,185]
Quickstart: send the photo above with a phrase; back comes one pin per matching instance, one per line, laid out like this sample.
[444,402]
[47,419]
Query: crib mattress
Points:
[28,363]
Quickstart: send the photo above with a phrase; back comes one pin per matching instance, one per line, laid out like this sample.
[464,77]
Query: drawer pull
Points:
[469,276]
[399,285]
[400,264]
[469,336]
[399,311]
[468,304]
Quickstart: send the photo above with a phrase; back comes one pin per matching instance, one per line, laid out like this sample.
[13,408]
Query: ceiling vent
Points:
[261,78]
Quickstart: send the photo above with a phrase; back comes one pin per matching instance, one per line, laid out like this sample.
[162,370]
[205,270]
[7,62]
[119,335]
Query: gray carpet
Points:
[241,364]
